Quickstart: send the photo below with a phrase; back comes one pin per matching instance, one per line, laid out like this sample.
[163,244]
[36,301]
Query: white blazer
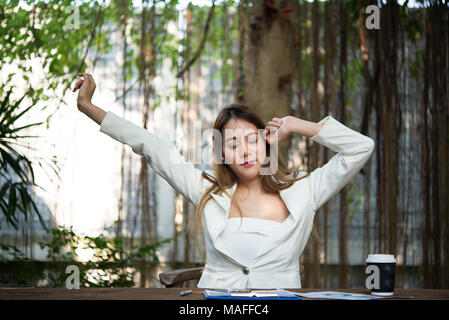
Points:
[277,266]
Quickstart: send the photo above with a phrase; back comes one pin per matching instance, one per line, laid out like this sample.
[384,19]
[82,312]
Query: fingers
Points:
[274,124]
[78,85]
[269,134]
[79,82]
[90,79]
[87,77]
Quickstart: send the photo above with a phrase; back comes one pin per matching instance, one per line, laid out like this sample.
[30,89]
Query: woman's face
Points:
[243,148]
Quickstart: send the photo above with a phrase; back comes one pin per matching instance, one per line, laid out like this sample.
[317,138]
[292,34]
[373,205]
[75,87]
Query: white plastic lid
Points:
[381,258]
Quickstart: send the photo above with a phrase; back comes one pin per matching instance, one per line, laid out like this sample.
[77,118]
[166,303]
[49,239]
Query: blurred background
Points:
[71,195]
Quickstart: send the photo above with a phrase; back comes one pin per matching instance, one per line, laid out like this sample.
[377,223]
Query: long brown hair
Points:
[225,178]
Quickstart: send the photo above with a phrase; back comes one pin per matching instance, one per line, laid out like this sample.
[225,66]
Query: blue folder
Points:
[227,296]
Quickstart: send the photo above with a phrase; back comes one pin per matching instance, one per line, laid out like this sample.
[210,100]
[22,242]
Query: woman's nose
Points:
[242,152]
[245,148]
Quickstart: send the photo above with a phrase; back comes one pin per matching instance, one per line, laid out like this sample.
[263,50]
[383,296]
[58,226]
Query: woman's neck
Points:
[254,186]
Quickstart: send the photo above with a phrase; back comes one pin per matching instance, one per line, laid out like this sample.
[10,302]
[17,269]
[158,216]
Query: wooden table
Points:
[173,294]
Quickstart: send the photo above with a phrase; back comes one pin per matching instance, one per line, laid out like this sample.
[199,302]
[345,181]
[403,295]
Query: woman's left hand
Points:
[279,125]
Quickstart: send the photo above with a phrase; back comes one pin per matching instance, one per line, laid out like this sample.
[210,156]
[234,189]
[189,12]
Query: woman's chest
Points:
[270,207]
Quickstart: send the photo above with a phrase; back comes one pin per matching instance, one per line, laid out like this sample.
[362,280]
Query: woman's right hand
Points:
[281,126]
[86,88]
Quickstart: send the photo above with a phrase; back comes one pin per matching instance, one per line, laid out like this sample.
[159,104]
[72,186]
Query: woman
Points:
[255,226]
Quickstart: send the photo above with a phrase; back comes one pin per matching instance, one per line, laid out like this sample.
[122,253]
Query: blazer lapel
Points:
[225,203]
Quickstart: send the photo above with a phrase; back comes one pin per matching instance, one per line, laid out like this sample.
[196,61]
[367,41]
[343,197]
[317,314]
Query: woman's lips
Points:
[248,164]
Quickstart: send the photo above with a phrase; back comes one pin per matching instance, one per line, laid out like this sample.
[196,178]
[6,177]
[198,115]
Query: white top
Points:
[247,236]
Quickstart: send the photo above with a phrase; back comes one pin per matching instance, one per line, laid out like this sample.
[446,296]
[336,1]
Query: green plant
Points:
[112,263]
[15,168]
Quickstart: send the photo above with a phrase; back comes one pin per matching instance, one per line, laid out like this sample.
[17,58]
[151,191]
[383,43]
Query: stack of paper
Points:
[337,295]
[228,293]
[284,294]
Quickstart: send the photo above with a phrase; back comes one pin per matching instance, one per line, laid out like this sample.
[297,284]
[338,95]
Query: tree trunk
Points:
[123,12]
[342,274]
[315,118]
[269,62]
[329,91]
[239,82]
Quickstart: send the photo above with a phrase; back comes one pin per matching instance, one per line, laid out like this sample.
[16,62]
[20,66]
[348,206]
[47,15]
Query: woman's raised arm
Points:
[163,158]
[353,151]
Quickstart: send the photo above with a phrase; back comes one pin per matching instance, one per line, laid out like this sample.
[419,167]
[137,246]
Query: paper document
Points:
[250,293]
[336,295]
